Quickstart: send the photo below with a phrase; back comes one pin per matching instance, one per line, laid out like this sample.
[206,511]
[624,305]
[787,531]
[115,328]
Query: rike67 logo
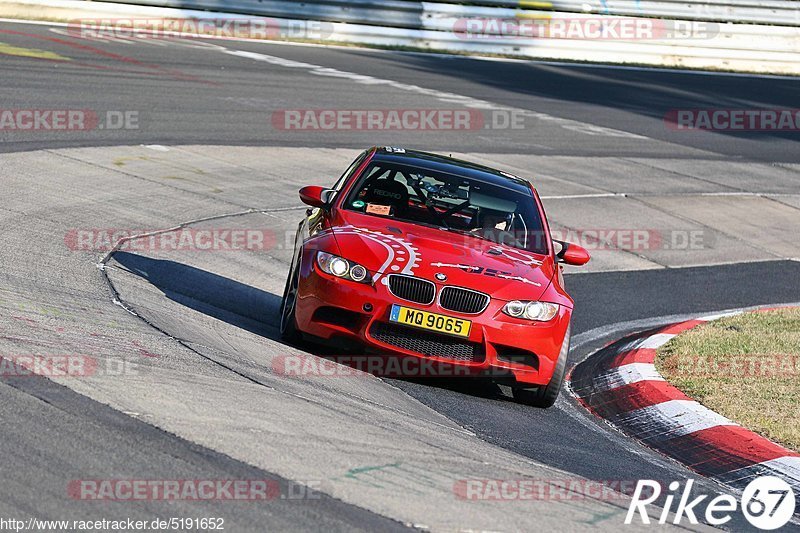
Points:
[768,503]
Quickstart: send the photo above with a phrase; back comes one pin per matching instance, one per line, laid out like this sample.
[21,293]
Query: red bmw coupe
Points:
[424,256]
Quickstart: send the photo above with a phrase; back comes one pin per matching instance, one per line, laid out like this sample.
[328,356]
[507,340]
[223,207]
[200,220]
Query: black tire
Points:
[547,395]
[288,324]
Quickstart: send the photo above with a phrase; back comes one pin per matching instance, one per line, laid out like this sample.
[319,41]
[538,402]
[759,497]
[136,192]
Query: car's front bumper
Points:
[498,345]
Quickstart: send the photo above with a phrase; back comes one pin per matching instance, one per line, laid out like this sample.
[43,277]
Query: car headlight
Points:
[342,268]
[539,311]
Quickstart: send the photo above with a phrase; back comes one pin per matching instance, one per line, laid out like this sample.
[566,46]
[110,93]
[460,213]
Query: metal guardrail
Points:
[778,12]
[413,15]
[392,13]
[438,27]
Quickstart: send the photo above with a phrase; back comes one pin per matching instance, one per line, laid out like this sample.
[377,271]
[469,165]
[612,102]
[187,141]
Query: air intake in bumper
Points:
[425,343]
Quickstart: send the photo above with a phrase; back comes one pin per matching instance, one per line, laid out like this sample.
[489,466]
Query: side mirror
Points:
[572,254]
[316,196]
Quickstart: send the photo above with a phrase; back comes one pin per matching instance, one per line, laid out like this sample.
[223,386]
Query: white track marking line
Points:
[709,318]
[670,419]
[786,467]
[660,195]
[466,101]
[625,375]
[656,341]
[651,342]
[588,195]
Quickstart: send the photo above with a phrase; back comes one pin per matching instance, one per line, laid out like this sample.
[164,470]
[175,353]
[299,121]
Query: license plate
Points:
[430,321]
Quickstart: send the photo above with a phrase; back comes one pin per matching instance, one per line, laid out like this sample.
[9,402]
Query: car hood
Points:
[392,247]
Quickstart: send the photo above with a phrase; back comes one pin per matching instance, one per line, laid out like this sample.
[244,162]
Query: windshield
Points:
[504,215]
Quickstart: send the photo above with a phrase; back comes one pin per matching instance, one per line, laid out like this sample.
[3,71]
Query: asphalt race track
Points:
[194,332]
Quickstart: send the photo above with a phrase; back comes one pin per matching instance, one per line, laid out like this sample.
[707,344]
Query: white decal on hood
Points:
[451,265]
[487,272]
[402,257]
[518,255]
[520,278]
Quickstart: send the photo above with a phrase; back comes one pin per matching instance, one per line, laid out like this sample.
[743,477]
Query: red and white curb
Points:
[620,383]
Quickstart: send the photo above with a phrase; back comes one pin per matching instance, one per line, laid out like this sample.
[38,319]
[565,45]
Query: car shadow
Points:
[471,386]
[236,303]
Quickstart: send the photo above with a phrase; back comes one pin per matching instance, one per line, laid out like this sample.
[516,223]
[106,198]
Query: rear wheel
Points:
[288,327]
[546,395]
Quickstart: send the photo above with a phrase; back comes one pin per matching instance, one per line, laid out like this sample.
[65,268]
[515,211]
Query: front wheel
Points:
[546,395]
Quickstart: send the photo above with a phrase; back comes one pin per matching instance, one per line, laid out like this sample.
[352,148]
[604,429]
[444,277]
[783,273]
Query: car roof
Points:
[450,165]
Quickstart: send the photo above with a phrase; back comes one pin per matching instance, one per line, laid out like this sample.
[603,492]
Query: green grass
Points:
[745,367]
